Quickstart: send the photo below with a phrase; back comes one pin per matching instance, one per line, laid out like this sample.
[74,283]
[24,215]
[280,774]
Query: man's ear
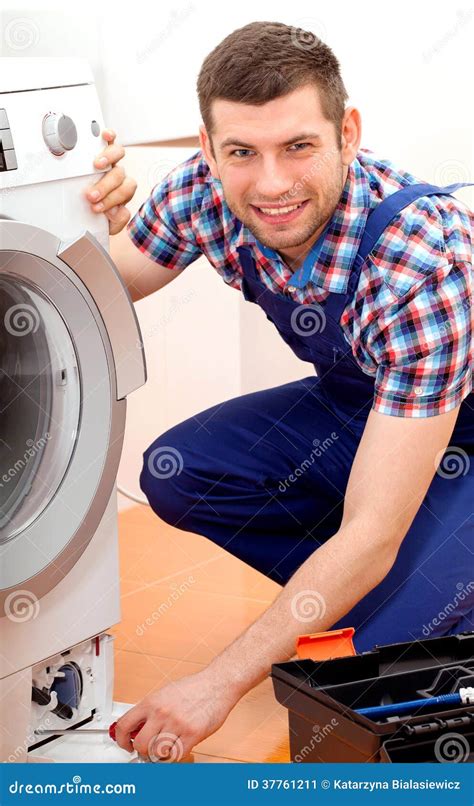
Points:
[205,143]
[351,134]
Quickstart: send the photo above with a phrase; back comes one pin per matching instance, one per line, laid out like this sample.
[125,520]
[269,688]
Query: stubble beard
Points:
[292,235]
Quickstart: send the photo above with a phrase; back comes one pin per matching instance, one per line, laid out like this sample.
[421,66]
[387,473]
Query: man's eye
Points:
[242,152]
[299,146]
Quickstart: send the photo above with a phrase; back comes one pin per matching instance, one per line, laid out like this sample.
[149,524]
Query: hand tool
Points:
[465,696]
[110,730]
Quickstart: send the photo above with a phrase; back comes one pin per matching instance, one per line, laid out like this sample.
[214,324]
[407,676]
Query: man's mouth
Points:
[280,213]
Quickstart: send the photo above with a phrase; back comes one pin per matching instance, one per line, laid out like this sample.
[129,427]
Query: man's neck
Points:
[294,258]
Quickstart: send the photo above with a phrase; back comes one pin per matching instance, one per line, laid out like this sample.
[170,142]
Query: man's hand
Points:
[178,716]
[114,189]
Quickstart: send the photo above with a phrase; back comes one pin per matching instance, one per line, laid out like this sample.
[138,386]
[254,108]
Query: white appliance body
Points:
[70,353]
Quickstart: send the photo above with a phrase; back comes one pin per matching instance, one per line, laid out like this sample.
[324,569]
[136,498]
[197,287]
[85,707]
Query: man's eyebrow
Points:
[230,141]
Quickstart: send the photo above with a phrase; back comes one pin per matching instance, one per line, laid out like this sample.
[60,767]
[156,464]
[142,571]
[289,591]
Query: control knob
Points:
[59,133]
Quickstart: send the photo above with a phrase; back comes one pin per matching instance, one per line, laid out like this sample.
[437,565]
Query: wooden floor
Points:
[183,600]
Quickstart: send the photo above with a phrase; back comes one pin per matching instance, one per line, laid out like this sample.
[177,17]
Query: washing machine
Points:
[70,354]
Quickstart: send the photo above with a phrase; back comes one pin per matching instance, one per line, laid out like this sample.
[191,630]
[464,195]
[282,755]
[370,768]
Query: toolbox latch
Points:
[326,645]
[436,725]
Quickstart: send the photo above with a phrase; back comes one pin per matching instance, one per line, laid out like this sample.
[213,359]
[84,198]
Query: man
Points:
[375,530]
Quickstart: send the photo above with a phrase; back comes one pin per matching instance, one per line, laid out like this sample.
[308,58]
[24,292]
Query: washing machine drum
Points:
[70,352]
[40,399]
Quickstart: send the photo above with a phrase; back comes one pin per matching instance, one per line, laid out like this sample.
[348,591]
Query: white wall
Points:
[407,67]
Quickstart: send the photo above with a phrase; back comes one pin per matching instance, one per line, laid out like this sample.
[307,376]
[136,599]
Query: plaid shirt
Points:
[409,323]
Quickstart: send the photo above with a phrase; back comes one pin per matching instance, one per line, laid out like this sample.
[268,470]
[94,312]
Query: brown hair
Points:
[265,60]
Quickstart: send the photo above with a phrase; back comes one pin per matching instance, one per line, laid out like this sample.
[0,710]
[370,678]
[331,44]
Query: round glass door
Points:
[40,403]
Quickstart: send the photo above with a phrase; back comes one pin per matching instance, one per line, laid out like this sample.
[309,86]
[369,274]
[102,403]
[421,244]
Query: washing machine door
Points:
[70,352]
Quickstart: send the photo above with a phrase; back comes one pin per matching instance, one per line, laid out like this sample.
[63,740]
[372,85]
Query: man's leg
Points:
[254,481]
[263,475]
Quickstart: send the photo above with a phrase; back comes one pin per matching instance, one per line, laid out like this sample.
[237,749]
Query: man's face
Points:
[281,167]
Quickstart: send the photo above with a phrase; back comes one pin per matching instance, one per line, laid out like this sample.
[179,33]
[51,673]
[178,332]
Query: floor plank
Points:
[183,600]
[155,552]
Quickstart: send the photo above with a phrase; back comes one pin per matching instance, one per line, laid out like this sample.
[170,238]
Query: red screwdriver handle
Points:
[132,735]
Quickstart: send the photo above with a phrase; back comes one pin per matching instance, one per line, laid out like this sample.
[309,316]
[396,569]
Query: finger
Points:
[118,221]
[120,194]
[109,181]
[169,747]
[152,732]
[109,135]
[126,724]
[109,156]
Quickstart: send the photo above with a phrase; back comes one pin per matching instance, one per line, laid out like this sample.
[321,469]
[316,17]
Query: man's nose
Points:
[271,181]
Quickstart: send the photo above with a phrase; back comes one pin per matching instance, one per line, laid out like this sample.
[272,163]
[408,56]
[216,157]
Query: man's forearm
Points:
[325,587]
[141,275]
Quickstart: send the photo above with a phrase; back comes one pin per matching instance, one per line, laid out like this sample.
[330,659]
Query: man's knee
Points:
[162,479]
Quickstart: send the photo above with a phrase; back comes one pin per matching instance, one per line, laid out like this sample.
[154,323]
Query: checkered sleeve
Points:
[425,348]
[162,227]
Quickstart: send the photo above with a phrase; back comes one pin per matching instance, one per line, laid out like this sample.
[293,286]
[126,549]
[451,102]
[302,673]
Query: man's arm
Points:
[141,275]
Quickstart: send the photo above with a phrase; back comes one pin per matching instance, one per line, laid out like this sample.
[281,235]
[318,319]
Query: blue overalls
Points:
[238,482]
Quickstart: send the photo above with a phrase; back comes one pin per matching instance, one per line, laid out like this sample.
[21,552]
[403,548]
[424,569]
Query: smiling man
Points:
[353,487]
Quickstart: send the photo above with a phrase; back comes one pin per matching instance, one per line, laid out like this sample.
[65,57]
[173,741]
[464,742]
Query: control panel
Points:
[49,134]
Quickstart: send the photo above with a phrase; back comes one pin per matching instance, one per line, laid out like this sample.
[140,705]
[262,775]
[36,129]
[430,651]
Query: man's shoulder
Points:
[427,235]
[386,177]
[190,188]
[187,177]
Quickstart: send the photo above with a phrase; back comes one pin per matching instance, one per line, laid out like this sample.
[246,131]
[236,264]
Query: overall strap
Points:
[247,262]
[380,217]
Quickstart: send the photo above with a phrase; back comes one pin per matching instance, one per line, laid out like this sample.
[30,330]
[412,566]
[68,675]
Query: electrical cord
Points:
[138,499]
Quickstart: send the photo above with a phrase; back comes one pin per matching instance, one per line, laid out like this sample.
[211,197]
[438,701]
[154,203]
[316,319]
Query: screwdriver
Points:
[110,730]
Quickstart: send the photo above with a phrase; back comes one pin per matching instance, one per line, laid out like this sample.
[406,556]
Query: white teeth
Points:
[279,210]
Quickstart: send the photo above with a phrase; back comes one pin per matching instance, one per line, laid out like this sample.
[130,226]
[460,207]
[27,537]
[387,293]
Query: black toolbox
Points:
[321,696]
